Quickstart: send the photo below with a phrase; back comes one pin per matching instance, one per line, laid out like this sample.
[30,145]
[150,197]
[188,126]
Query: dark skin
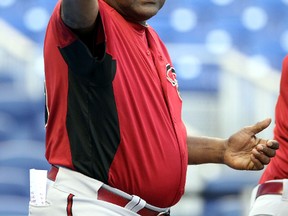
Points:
[137,11]
[243,150]
[81,15]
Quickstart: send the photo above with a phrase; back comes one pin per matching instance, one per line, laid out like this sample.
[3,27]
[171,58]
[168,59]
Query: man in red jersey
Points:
[270,197]
[114,133]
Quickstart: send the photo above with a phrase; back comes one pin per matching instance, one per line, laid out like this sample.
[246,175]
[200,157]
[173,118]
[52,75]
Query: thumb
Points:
[259,126]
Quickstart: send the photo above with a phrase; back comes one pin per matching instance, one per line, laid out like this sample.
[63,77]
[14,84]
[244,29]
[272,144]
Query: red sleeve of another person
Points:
[278,167]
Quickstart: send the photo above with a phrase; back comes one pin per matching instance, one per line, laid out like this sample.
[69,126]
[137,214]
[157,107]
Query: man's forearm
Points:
[205,150]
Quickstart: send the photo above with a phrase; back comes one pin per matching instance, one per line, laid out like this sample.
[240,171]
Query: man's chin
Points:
[147,14]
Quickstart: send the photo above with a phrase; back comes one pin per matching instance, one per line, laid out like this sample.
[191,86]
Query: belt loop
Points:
[140,205]
[136,204]
[285,190]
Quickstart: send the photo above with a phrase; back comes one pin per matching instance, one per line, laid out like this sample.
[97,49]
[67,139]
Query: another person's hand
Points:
[245,151]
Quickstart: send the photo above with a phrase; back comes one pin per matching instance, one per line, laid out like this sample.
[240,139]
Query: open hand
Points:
[245,151]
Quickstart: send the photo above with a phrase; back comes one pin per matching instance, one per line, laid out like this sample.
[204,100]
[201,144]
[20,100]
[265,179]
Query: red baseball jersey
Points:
[278,167]
[113,107]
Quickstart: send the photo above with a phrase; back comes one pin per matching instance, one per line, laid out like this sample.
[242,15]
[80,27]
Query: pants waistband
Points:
[120,198]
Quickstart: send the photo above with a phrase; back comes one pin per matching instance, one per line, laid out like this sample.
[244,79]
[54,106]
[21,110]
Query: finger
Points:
[257,165]
[273,144]
[259,126]
[270,152]
[263,158]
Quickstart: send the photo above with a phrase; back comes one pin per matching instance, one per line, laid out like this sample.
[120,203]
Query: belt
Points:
[107,195]
[273,188]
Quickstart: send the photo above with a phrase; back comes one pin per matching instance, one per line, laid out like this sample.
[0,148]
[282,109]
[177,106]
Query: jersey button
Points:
[148,52]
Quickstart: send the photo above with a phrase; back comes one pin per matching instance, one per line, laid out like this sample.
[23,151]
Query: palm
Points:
[239,150]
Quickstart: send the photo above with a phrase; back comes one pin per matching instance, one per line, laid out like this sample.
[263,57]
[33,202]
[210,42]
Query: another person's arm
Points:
[277,169]
[242,151]
[79,15]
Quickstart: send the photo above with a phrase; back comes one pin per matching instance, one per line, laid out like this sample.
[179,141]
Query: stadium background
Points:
[227,54]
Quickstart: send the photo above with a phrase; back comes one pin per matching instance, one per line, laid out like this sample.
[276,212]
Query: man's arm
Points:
[242,151]
[79,15]
[205,150]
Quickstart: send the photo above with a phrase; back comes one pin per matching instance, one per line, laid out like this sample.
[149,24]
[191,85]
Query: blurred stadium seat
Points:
[24,154]
[14,191]
[224,206]
[8,126]
[16,158]
[13,205]
[21,119]
[14,181]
